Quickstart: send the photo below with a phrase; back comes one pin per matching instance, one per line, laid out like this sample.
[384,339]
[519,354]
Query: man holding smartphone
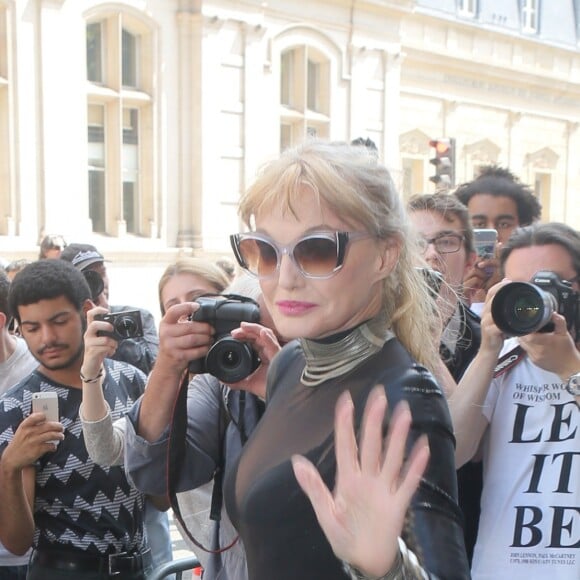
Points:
[82,520]
[496,200]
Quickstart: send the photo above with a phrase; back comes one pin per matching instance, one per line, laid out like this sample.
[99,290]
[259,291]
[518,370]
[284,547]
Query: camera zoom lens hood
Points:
[520,308]
[230,360]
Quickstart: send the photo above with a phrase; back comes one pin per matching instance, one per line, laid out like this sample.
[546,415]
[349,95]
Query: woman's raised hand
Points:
[364,515]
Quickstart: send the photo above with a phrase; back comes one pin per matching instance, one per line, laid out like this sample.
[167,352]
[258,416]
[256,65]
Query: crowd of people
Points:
[363,397]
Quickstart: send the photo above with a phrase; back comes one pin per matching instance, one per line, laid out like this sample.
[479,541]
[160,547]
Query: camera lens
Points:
[230,360]
[520,308]
[126,327]
[527,309]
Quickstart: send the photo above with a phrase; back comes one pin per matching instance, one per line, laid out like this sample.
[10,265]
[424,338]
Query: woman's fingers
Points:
[371,446]
[344,437]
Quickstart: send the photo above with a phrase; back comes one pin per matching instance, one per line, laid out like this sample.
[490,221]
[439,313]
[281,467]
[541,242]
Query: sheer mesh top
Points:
[275,519]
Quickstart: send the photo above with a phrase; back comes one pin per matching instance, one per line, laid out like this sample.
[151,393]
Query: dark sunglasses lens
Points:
[260,257]
[316,256]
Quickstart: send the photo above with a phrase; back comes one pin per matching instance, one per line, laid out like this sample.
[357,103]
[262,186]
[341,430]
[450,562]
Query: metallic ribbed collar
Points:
[334,358]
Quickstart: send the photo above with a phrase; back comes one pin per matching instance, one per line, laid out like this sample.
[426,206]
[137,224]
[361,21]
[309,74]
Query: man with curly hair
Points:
[498,200]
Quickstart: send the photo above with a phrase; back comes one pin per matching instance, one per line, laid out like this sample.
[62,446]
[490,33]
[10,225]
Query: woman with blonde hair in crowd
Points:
[332,248]
[192,277]
[331,244]
[220,419]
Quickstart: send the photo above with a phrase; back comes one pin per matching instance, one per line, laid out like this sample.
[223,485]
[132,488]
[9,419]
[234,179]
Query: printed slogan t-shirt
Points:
[530,506]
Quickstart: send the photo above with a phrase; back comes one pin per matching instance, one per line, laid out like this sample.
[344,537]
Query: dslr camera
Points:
[126,324]
[228,359]
[520,308]
[433,279]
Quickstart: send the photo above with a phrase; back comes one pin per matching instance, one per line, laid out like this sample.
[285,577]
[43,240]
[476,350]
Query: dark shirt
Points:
[469,475]
[276,522]
[78,503]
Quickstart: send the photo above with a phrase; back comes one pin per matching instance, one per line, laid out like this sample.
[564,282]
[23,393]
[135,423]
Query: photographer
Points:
[219,418]
[522,411]
[139,351]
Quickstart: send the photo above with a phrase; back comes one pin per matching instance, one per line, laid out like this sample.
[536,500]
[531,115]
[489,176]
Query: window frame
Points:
[530,14]
[468,8]
[116,96]
[304,112]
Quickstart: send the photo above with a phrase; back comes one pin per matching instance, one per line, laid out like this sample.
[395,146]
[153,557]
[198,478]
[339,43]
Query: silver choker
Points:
[328,360]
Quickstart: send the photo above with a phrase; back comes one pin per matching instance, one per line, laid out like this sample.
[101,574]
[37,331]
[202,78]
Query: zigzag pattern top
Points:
[78,503]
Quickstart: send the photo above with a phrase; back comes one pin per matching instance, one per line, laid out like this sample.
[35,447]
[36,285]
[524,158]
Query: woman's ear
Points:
[388,257]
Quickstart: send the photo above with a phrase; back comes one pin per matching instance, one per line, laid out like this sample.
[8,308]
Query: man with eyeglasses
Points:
[446,237]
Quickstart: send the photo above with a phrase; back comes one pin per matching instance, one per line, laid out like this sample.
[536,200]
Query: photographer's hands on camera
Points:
[264,342]
[97,347]
[553,351]
[182,340]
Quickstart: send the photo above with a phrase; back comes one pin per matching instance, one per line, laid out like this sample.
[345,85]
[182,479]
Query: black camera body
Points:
[520,308]
[433,278]
[126,324]
[228,359]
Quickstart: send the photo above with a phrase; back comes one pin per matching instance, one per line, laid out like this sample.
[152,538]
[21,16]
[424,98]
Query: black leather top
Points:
[275,519]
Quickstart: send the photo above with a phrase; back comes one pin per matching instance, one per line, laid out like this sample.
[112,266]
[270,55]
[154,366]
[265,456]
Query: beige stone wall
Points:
[212,117]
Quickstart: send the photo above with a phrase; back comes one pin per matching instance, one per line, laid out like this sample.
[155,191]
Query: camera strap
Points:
[508,361]
[177,436]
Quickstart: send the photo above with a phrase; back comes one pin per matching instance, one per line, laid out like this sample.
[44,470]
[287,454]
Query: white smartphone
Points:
[485,242]
[46,402]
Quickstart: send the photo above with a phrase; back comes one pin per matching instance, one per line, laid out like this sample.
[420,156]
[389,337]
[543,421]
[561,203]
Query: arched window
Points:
[120,125]
[304,95]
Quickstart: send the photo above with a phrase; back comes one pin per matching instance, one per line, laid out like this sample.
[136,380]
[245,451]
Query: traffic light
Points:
[444,162]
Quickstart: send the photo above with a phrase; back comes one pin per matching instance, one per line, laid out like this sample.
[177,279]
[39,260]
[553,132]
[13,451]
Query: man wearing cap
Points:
[141,352]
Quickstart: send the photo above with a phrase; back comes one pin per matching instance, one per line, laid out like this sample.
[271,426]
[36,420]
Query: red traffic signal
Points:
[444,162]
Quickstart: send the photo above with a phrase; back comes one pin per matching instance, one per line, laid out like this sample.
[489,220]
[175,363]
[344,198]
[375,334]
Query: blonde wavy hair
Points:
[355,186]
[213,274]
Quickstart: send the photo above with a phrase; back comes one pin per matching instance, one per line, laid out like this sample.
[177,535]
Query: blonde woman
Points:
[331,246]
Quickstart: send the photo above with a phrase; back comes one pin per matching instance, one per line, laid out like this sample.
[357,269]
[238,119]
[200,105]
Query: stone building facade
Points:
[135,124]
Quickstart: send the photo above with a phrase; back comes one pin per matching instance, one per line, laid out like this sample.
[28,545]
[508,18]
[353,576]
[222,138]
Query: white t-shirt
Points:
[530,505]
[18,365]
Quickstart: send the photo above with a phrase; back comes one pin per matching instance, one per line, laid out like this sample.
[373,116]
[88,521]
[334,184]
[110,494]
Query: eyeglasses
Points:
[317,255]
[444,243]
